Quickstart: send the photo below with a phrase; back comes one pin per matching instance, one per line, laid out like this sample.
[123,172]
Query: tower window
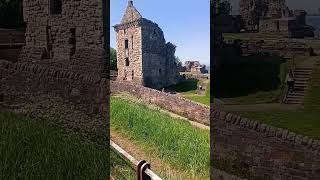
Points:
[126,44]
[55,6]
[154,32]
[127,61]
[159,71]
[73,41]
[132,42]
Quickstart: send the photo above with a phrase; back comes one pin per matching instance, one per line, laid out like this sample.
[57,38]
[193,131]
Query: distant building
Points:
[143,56]
[195,67]
[274,17]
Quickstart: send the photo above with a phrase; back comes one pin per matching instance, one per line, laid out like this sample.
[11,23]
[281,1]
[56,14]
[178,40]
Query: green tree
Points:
[178,61]
[113,59]
[11,14]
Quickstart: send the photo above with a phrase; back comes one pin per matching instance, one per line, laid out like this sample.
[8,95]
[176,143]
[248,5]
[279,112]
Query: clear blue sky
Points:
[186,23]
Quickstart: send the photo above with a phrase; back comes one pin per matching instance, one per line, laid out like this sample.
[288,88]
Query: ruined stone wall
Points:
[282,26]
[133,72]
[268,25]
[73,37]
[154,55]
[173,103]
[265,151]
[21,81]
[172,70]
[246,6]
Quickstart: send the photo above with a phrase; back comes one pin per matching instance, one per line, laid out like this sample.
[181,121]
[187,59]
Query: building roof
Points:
[131,14]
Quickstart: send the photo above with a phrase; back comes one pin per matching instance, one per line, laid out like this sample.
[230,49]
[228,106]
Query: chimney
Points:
[130,3]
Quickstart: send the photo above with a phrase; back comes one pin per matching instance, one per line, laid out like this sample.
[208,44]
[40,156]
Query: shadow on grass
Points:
[188,85]
[249,75]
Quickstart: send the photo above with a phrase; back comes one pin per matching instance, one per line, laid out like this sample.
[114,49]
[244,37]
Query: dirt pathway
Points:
[159,166]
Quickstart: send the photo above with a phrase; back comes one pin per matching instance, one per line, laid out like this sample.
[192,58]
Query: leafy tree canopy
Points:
[113,59]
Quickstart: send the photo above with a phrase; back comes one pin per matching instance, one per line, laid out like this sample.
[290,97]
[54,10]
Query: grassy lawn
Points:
[254,36]
[305,121]
[120,169]
[188,89]
[176,142]
[250,80]
[31,149]
[201,99]
[302,122]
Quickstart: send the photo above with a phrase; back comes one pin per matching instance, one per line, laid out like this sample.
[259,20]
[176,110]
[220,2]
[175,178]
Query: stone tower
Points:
[143,56]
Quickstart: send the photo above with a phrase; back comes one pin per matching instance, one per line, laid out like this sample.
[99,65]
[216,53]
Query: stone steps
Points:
[302,78]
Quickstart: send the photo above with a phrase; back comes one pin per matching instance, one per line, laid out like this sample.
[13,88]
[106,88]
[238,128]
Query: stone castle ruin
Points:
[143,56]
[60,34]
[63,56]
[274,16]
[195,67]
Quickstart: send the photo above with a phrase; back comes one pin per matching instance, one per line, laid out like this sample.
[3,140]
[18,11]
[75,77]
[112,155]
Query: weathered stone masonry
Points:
[63,57]
[66,33]
[21,81]
[173,103]
[274,16]
[143,56]
[268,152]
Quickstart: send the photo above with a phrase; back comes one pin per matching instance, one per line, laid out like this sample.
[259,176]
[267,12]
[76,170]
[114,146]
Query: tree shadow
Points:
[185,86]
[248,75]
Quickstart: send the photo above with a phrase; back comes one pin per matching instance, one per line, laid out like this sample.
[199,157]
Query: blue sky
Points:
[186,23]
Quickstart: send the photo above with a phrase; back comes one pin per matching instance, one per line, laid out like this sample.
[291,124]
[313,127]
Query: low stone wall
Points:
[20,81]
[173,103]
[221,175]
[10,54]
[265,151]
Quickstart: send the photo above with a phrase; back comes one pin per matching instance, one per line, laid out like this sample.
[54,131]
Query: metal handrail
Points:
[135,162]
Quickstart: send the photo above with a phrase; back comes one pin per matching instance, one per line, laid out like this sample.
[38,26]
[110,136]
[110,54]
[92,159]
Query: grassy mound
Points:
[188,89]
[32,149]
[305,121]
[177,142]
[120,169]
[251,79]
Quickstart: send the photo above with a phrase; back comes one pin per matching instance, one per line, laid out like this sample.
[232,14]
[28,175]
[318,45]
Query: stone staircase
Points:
[303,76]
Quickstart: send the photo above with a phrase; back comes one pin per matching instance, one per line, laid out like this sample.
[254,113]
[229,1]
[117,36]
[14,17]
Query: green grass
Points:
[120,169]
[254,36]
[250,80]
[256,98]
[188,86]
[31,149]
[304,121]
[201,99]
[188,89]
[177,142]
